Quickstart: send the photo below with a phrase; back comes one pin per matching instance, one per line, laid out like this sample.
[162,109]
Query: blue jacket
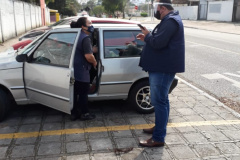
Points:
[81,65]
[164,50]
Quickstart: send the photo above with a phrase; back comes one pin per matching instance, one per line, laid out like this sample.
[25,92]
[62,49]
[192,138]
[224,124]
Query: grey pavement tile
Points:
[30,140]
[159,153]
[74,124]
[137,120]
[186,129]
[29,128]
[101,144]
[120,133]
[192,104]
[79,157]
[35,112]
[228,116]
[95,123]
[212,117]
[5,141]
[234,157]
[173,99]
[49,149]
[52,126]
[8,129]
[52,158]
[219,109]
[136,154]
[151,119]
[116,121]
[228,148]
[51,138]
[23,158]
[203,110]
[186,111]
[180,94]
[187,99]
[139,133]
[171,130]
[11,121]
[209,103]
[238,144]
[226,127]
[193,118]
[206,128]
[215,136]
[97,135]
[32,120]
[200,97]
[176,119]
[76,147]
[206,150]
[173,112]
[174,138]
[53,118]
[178,104]
[193,138]
[23,151]
[182,152]
[104,156]
[75,137]
[3,151]
[126,142]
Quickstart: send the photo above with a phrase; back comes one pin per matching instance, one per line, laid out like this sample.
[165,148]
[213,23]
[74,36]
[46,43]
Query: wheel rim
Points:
[143,98]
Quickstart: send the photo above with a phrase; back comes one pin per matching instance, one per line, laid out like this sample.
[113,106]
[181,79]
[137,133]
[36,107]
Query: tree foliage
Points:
[65,7]
[98,11]
[111,6]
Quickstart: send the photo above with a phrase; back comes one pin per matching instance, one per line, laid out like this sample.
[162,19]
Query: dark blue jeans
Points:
[159,88]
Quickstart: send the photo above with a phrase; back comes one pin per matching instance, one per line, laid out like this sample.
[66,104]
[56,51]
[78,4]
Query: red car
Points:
[14,48]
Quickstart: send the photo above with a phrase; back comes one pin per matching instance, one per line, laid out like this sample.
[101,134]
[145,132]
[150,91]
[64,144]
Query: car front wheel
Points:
[140,97]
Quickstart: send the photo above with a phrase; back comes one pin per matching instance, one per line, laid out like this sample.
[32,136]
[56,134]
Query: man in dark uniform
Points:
[162,57]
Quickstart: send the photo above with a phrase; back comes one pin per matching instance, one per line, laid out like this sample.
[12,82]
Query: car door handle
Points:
[72,81]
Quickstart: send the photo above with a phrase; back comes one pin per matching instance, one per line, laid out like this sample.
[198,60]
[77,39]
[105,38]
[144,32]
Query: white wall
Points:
[188,12]
[220,11]
[17,17]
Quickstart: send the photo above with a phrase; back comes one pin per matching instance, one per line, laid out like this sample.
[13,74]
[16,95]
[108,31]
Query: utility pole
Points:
[43,5]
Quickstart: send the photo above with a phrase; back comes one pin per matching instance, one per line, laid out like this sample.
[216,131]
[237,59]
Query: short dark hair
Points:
[82,21]
[167,6]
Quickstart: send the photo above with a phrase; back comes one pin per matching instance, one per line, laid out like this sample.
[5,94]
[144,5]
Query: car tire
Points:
[140,97]
[4,103]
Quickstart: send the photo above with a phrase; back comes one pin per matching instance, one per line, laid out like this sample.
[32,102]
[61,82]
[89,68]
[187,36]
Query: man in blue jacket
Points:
[162,57]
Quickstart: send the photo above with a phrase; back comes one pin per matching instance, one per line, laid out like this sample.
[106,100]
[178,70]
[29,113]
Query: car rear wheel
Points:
[3,104]
[140,97]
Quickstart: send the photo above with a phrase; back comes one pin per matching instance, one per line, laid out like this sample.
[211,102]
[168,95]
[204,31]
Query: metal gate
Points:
[236,11]
[203,11]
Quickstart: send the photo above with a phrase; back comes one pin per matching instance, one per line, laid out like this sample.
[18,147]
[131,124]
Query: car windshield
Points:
[29,47]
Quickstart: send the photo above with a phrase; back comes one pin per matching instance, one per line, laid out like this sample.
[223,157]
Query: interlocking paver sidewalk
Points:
[200,127]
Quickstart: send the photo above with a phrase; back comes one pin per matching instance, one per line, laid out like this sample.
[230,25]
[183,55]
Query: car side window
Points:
[56,49]
[121,44]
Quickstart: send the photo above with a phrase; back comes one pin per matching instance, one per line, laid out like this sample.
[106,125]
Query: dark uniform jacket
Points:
[164,50]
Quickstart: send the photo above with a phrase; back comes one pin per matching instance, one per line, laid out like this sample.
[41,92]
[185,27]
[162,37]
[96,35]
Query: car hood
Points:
[8,61]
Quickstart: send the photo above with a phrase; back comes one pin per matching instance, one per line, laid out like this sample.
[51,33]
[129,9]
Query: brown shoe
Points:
[149,130]
[151,143]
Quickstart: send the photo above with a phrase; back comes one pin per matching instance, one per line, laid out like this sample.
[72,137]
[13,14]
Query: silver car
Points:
[43,72]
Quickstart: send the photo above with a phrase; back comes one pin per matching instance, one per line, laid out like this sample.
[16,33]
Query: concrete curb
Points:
[210,97]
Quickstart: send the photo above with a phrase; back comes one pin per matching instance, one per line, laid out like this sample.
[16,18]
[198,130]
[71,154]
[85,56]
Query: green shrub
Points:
[144,14]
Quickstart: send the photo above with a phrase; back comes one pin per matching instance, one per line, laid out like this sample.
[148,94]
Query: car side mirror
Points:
[22,58]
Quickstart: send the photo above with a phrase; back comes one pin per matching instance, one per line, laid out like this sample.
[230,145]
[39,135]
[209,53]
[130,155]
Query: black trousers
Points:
[80,105]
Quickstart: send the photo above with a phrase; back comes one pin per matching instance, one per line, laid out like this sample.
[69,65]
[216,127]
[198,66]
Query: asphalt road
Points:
[213,64]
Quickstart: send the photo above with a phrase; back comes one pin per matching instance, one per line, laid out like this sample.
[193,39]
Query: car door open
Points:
[48,76]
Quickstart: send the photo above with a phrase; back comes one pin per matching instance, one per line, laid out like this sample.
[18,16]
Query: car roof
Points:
[98,25]
[103,20]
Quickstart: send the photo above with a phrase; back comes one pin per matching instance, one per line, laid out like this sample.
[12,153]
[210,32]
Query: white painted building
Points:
[137,2]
